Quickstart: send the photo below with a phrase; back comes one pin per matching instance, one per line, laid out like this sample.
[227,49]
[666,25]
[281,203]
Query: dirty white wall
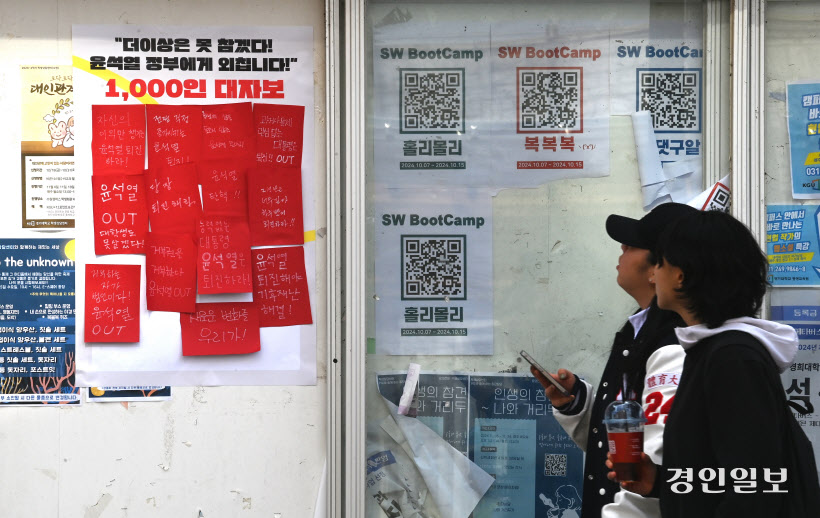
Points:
[211,452]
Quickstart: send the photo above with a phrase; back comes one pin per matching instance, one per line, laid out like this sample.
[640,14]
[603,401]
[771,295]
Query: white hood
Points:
[779,339]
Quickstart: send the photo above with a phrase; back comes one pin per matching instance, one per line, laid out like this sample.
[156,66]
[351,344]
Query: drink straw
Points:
[624,400]
[625,394]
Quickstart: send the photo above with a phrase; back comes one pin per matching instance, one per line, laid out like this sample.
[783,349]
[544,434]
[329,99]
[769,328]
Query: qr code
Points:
[432,100]
[673,98]
[549,100]
[719,199]
[433,267]
[555,465]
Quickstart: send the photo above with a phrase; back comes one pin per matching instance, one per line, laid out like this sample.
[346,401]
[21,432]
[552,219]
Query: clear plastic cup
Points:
[624,422]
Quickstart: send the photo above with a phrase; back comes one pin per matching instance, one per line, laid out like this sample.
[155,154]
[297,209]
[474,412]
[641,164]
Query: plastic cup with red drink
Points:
[624,427]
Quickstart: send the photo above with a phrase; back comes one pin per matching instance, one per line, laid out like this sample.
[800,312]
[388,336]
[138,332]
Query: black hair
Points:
[724,269]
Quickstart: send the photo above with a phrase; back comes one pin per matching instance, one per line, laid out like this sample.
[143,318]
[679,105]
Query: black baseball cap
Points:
[644,232]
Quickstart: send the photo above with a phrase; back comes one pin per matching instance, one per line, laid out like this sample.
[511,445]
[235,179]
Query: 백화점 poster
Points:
[37,360]
[792,245]
[504,424]
[803,103]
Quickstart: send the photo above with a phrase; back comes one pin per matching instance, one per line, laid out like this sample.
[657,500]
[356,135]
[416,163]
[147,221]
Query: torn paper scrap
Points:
[397,487]
[684,179]
[454,481]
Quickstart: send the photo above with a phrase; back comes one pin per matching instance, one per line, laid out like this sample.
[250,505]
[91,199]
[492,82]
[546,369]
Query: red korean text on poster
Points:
[112,303]
[275,206]
[224,188]
[224,264]
[279,134]
[173,199]
[118,139]
[120,214]
[174,134]
[280,289]
[170,272]
[220,328]
[227,132]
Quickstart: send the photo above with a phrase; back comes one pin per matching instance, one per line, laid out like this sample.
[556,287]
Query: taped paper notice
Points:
[409,388]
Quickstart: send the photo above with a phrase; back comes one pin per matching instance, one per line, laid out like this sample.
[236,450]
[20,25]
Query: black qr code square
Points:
[433,267]
[550,100]
[672,96]
[719,199]
[432,100]
[555,465]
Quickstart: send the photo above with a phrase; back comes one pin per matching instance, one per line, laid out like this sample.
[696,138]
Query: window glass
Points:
[500,137]
[792,193]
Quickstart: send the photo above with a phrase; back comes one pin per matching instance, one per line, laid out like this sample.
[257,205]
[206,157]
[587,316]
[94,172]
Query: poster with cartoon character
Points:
[61,124]
[47,147]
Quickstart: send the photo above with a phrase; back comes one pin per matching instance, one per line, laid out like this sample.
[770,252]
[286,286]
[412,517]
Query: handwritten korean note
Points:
[227,132]
[170,272]
[173,199]
[174,134]
[220,328]
[275,206]
[118,139]
[224,187]
[279,134]
[112,303]
[120,214]
[224,264]
[280,289]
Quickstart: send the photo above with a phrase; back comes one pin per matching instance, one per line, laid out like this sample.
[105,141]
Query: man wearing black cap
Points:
[645,350]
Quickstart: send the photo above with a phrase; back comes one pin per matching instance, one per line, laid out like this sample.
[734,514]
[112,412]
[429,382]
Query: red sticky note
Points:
[227,131]
[224,264]
[224,188]
[118,139]
[170,272]
[173,199]
[275,206]
[279,134]
[220,328]
[120,214]
[280,289]
[112,302]
[174,134]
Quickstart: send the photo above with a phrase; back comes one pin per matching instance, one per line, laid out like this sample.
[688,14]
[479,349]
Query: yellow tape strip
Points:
[107,75]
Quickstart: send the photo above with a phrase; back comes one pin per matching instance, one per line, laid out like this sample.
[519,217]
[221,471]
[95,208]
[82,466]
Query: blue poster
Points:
[792,245]
[804,139]
[801,310]
[503,423]
[37,360]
